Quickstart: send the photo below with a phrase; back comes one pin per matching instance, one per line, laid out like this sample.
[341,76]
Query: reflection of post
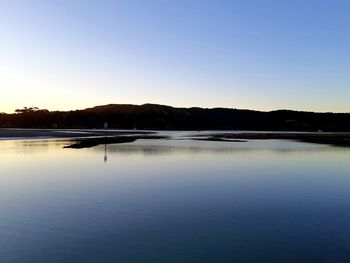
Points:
[105,157]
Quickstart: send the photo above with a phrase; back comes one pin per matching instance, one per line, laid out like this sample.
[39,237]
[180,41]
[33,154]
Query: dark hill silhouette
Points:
[153,116]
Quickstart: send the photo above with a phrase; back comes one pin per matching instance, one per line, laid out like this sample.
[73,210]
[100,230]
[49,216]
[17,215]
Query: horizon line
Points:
[178,107]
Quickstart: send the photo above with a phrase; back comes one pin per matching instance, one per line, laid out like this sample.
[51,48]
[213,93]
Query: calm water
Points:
[174,201]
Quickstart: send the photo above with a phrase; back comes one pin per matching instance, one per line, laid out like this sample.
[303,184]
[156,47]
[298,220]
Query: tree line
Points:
[152,116]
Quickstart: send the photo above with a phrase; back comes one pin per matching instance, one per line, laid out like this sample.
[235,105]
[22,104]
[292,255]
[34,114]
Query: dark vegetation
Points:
[151,116]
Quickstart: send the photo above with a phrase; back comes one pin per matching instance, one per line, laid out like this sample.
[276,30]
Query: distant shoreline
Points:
[59,133]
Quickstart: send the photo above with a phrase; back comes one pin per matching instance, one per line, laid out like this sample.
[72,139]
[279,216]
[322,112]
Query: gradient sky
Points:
[257,54]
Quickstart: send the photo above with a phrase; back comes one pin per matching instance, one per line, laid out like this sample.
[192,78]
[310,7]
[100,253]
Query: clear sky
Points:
[257,54]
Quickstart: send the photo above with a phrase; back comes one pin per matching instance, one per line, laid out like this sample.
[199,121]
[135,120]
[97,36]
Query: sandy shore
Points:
[43,133]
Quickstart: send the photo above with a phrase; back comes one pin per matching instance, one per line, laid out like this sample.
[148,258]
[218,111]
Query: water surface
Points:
[174,201]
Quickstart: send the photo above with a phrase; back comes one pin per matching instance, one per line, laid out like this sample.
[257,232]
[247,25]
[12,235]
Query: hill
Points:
[153,116]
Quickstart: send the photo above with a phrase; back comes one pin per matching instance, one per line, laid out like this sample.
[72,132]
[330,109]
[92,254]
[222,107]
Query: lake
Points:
[174,201]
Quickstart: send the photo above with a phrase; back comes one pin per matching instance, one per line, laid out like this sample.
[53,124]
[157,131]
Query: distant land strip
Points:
[161,117]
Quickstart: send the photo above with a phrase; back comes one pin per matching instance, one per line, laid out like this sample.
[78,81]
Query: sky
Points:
[251,54]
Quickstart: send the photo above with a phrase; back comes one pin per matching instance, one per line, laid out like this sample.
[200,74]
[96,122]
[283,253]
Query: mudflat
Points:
[331,138]
[95,137]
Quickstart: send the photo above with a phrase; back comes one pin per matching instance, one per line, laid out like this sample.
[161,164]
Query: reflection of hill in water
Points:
[168,147]
[31,146]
